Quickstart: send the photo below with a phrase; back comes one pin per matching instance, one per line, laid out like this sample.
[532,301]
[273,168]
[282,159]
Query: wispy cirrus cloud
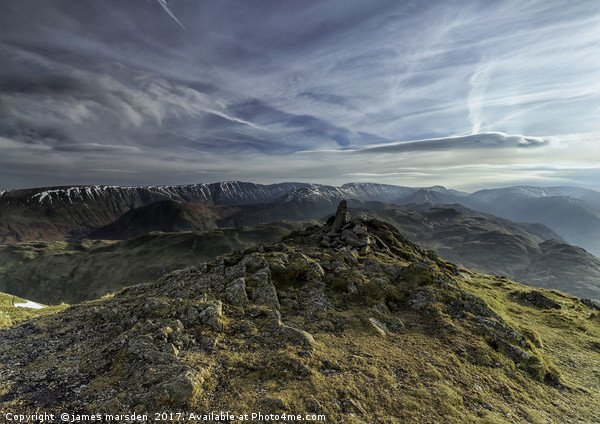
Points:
[479,82]
[214,86]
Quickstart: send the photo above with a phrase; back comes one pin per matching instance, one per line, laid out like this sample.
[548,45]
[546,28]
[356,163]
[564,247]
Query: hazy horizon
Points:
[470,95]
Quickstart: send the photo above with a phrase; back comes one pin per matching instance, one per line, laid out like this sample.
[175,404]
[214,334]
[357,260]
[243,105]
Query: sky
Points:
[465,94]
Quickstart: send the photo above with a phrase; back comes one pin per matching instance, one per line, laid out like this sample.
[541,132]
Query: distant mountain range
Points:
[572,212]
[168,235]
[60,213]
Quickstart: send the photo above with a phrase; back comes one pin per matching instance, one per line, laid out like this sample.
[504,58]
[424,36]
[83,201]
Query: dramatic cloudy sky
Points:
[467,94]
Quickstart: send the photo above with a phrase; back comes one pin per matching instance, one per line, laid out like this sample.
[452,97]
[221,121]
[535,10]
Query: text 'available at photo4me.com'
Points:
[174,417]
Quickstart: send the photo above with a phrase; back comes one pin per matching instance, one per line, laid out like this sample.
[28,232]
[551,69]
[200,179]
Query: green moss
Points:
[419,274]
[532,335]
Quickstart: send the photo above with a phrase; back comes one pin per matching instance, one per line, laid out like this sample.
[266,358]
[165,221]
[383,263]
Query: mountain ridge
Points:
[73,212]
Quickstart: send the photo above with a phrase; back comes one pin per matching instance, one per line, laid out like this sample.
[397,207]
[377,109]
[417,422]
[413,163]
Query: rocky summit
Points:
[344,323]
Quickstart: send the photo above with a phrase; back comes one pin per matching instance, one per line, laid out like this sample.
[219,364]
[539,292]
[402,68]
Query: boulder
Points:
[540,301]
[590,304]
[235,292]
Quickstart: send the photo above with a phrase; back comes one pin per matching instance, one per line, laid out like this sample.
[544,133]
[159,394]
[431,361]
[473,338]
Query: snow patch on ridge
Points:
[29,304]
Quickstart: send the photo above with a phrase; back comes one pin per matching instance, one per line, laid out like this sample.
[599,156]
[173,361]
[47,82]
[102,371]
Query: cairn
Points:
[341,232]
[342,216]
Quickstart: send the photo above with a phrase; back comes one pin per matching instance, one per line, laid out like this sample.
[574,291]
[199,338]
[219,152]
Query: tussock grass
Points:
[10,314]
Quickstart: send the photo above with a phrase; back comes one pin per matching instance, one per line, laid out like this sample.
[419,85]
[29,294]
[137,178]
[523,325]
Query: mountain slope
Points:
[562,209]
[62,213]
[388,334]
[529,253]
[54,272]
[170,216]
[565,267]
[11,313]
[468,238]
[167,216]
[59,213]
[435,195]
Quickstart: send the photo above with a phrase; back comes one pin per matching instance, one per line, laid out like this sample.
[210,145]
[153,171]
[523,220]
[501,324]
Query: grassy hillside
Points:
[171,216]
[10,314]
[55,272]
[565,267]
[358,325]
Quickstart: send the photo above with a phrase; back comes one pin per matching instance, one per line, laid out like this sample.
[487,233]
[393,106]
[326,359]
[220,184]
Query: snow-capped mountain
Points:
[528,192]
[376,192]
[53,213]
[433,195]
[58,212]
[223,193]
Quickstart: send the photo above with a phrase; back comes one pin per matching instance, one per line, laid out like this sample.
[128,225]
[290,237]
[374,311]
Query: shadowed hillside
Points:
[54,272]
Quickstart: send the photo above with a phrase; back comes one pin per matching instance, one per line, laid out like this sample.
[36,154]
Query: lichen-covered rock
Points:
[295,336]
[352,239]
[342,217]
[420,300]
[254,263]
[210,314]
[378,326]
[179,388]
[261,277]
[235,272]
[590,304]
[235,292]
[265,295]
